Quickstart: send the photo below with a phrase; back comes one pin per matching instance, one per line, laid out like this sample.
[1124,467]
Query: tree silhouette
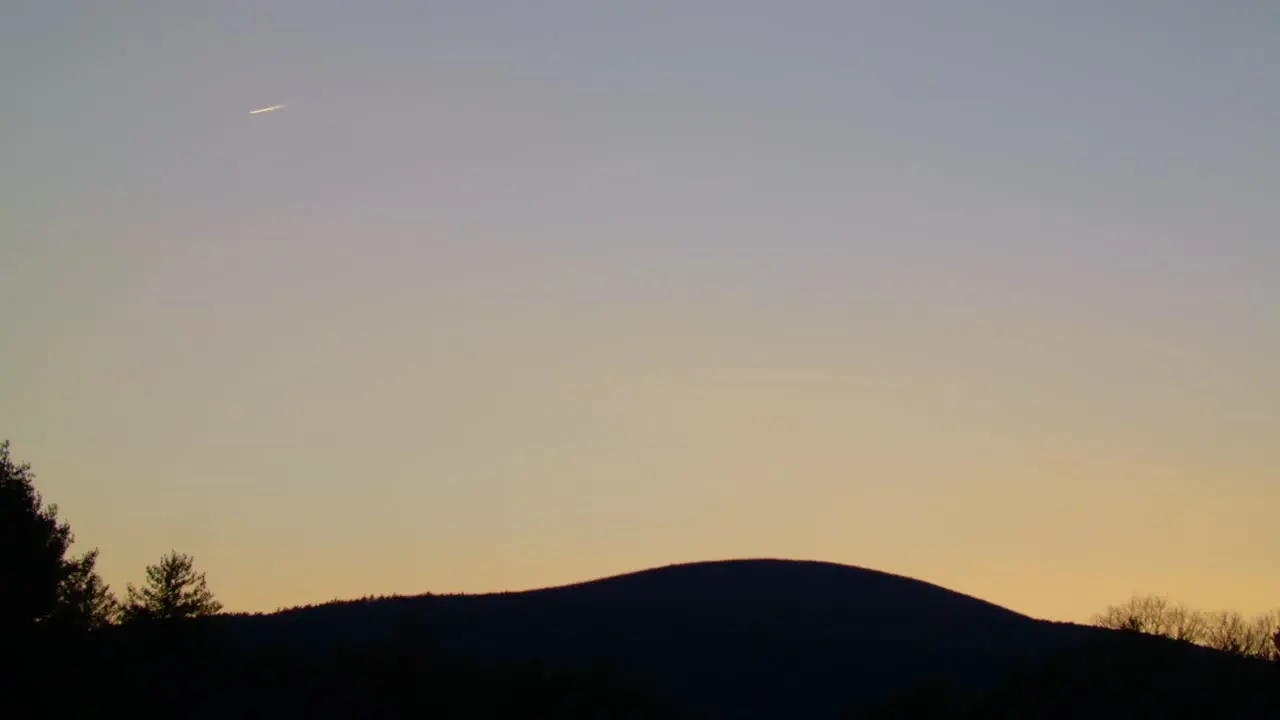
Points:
[85,601]
[1154,615]
[33,546]
[174,590]
[1231,632]
[1227,631]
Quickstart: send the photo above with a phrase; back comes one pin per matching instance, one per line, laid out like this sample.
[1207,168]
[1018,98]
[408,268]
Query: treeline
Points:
[1144,669]
[1110,675]
[46,588]
[1257,637]
[70,648]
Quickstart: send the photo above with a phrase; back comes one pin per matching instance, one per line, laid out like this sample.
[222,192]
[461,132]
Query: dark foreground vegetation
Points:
[732,639]
[186,668]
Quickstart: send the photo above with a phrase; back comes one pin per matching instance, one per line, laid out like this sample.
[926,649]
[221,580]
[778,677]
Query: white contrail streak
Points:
[265,109]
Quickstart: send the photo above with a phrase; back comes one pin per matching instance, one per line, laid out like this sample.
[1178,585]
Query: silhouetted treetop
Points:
[1227,631]
[173,590]
[33,546]
[85,601]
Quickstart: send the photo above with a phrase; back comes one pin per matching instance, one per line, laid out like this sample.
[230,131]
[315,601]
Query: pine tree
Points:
[33,546]
[85,601]
[174,590]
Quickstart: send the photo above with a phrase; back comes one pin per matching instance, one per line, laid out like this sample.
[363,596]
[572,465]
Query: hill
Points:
[739,638]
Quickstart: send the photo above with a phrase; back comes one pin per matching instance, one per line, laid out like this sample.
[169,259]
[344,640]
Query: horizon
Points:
[510,296]
[624,574]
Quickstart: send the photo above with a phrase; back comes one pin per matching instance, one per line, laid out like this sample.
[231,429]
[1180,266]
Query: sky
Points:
[516,294]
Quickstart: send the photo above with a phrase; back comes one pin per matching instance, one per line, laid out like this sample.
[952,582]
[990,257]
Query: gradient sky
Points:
[513,294]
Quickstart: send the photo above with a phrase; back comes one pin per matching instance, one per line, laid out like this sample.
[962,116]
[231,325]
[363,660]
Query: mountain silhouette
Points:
[734,638]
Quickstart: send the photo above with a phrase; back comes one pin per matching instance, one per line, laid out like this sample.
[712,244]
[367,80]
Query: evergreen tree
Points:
[85,601]
[174,590]
[33,548]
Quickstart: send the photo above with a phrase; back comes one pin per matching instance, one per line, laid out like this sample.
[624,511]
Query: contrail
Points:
[265,109]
